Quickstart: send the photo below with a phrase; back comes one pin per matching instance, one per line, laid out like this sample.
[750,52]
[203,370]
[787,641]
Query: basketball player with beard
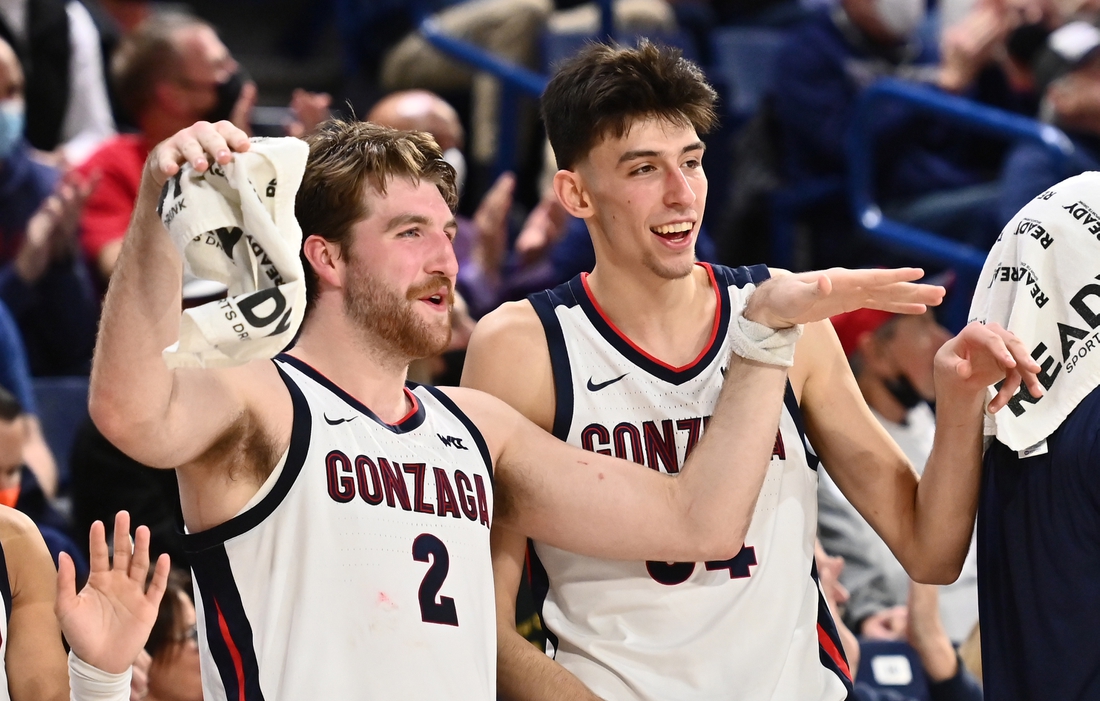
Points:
[629,361]
[338,519]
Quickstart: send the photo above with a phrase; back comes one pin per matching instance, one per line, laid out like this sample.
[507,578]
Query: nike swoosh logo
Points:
[594,387]
[336,422]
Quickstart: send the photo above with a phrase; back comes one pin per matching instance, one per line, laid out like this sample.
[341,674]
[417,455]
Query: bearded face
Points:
[392,317]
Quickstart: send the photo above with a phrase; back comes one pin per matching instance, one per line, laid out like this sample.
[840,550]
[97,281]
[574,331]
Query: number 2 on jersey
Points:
[672,573]
[432,611]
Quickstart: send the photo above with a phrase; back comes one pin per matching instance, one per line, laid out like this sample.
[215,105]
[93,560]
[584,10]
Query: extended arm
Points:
[927,522]
[160,417]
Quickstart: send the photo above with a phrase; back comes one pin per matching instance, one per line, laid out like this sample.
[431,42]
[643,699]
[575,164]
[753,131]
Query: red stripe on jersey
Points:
[831,650]
[412,412]
[233,651]
[702,353]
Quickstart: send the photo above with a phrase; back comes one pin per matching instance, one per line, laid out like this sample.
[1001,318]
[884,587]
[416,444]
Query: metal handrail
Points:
[526,80]
[966,113]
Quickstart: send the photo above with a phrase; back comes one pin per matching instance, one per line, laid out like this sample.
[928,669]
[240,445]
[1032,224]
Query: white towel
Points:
[1041,281]
[235,224]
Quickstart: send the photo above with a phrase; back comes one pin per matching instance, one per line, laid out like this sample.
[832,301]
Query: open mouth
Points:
[438,301]
[674,233]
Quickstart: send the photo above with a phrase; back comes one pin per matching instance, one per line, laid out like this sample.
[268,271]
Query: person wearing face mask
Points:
[928,173]
[170,72]
[43,281]
[892,359]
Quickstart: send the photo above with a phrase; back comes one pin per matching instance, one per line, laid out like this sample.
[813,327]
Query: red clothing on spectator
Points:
[107,212]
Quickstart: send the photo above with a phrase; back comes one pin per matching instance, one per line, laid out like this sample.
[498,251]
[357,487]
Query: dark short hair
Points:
[346,156]
[601,90]
[146,57]
[163,634]
[10,408]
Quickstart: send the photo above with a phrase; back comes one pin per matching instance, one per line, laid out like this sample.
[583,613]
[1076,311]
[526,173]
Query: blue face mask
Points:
[11,126]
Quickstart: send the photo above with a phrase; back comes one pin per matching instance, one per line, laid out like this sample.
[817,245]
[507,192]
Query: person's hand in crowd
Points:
[491,225]
[241,115]
[1075,99]
[307,109]
[108,622]
[544,227]
[51,231]
[139,680]
[887,624]
[970,44]
[927,634]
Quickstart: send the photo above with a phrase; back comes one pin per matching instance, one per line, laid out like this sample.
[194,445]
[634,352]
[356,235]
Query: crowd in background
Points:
[87,87]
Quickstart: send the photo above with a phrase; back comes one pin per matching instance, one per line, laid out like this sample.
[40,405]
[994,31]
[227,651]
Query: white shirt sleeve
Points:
[88,120]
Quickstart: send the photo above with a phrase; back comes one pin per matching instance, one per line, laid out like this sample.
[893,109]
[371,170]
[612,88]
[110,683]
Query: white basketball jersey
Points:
[361,569]
[754,627]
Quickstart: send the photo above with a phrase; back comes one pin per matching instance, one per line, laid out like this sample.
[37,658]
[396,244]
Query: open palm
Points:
[108,622]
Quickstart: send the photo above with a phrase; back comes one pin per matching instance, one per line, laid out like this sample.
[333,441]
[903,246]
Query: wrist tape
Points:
[753,341]
[88,683]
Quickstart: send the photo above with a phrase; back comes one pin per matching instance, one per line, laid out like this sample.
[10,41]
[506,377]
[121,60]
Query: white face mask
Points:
[901,17]
[458,162]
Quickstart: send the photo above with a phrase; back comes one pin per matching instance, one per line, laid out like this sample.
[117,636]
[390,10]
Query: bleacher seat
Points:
[742,66]
[892,665]
[62,408]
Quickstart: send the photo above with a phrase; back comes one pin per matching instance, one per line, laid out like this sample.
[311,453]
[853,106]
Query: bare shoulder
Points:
[15,527]
[508,357]
[495,419]
[26,557]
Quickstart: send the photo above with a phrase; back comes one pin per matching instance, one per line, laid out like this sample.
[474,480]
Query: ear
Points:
[872,353]
[324,256]
[569,187]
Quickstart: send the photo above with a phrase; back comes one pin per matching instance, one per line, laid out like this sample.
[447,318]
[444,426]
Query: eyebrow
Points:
[648,153]
[411,218]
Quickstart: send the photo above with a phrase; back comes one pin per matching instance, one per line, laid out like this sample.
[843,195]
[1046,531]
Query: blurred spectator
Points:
[174,645]
[892,359]
[511,29]
[1067,70]
[68,113]
[20,490]
[924,175]
[42,278]
[15,375]
[168,74]
[948,679]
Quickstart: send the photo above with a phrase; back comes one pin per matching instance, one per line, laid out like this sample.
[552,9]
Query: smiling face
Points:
[644,194]
[400,269]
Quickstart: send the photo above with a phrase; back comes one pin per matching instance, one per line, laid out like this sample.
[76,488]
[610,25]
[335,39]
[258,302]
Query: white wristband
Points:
[88,683]
[753,341]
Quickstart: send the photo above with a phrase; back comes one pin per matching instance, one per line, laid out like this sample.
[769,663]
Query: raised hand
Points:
[308,109]
[108,622]
[200,144]
[788,299]
[982,355]
[491,222]
[51,231]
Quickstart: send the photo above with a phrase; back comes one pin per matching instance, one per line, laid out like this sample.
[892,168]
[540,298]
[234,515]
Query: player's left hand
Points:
[982,355]
[788,299]
[108,623]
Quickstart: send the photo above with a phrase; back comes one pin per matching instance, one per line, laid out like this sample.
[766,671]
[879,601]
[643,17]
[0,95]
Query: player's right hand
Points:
[788,299]
[199,144]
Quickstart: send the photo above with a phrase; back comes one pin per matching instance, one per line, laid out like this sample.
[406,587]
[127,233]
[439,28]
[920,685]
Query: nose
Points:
[443,260]
[678,191]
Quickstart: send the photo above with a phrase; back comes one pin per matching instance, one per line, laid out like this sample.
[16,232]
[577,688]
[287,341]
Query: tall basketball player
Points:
[338,518]
[629,361]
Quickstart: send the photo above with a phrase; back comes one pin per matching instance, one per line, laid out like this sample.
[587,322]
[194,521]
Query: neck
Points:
[669,319]
[361,365]
[880,398]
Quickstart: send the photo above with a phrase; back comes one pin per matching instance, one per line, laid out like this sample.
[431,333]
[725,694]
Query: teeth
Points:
[681,228]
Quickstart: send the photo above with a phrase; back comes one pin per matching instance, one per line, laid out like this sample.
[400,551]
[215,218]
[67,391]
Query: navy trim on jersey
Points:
[5,585]
[543,302]
[228,632]
[408,423]
[295,459]
[722,277]
[826,627]
[479,439]
[540,587]
[799,423]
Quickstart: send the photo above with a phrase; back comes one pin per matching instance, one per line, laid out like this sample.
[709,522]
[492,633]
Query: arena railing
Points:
[965,113]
